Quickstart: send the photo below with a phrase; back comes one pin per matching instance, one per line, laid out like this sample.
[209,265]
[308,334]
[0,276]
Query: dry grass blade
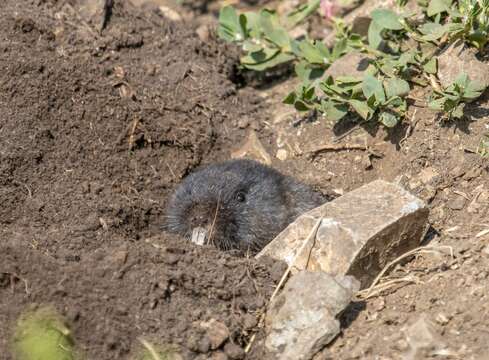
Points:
[379,288]
[418,250]
[310,237]
[151,350]
[482,233]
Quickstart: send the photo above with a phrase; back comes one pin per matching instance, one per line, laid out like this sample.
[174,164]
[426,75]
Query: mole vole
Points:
[237,204]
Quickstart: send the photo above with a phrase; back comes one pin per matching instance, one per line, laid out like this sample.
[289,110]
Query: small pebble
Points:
[217,332]
[458,203]
[234,352]
[204,345]
[442,319]
[282,154]
[219,355]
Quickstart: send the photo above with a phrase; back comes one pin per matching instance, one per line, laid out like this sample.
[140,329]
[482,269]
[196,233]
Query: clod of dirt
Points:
[253,148]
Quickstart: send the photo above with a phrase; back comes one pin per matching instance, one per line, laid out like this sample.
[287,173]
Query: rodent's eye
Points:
[240,196]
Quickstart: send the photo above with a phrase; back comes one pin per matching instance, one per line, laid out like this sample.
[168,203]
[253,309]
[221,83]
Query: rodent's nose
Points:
[198,220]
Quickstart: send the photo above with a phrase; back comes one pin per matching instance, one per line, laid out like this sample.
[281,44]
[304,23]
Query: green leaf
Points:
[311,53]
[458,112]
[258,57]
[323,49]
[280,37]
[290,98]
[229,25]
[372,86]
[396,87]
[361,108]
[374,35]
[438,6]
[252,24]
[348,79]
[433,31]
[339,49]
[308,93]
[406,58]
[265,59]
[462,80]
[303,71]
[333,111]
[302,12]
[388,119]
[479,38]
[437,104]
[251,47]
[387,19]
[431,67]
[268,21]
[301,106]
[473,90]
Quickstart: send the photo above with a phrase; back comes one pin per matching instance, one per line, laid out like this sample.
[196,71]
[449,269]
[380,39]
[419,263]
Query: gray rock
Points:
[302,319]
[457,203]
[234,352]
[352,64]
[217,332]
[96,12]
[458,58]
[359,232]
[422,338]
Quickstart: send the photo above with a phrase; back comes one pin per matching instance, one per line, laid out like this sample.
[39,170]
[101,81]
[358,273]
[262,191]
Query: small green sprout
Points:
[453,98]
[483,148]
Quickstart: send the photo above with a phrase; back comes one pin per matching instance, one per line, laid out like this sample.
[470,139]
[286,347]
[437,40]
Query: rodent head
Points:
[234,205]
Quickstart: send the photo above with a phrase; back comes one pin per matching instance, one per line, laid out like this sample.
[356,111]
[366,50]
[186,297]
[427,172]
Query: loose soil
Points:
[97,128]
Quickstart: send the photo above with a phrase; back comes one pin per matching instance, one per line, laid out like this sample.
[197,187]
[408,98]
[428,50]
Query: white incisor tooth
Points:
[199,234]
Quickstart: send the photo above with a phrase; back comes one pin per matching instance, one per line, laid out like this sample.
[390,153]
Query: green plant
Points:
[483,148]
[399,47]
[453,98]
[42,335]
[463,19]
[369,97]
[266,42]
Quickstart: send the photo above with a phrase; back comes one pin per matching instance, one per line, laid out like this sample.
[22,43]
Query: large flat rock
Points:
[359,232]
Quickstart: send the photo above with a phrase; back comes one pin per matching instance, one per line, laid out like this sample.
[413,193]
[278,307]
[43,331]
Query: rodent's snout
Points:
[198,220]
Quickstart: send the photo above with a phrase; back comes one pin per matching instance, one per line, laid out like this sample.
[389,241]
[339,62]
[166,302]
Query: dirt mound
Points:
[158,289]
[96,129]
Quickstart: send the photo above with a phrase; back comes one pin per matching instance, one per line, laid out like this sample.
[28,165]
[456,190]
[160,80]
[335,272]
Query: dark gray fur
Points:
[271,202]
